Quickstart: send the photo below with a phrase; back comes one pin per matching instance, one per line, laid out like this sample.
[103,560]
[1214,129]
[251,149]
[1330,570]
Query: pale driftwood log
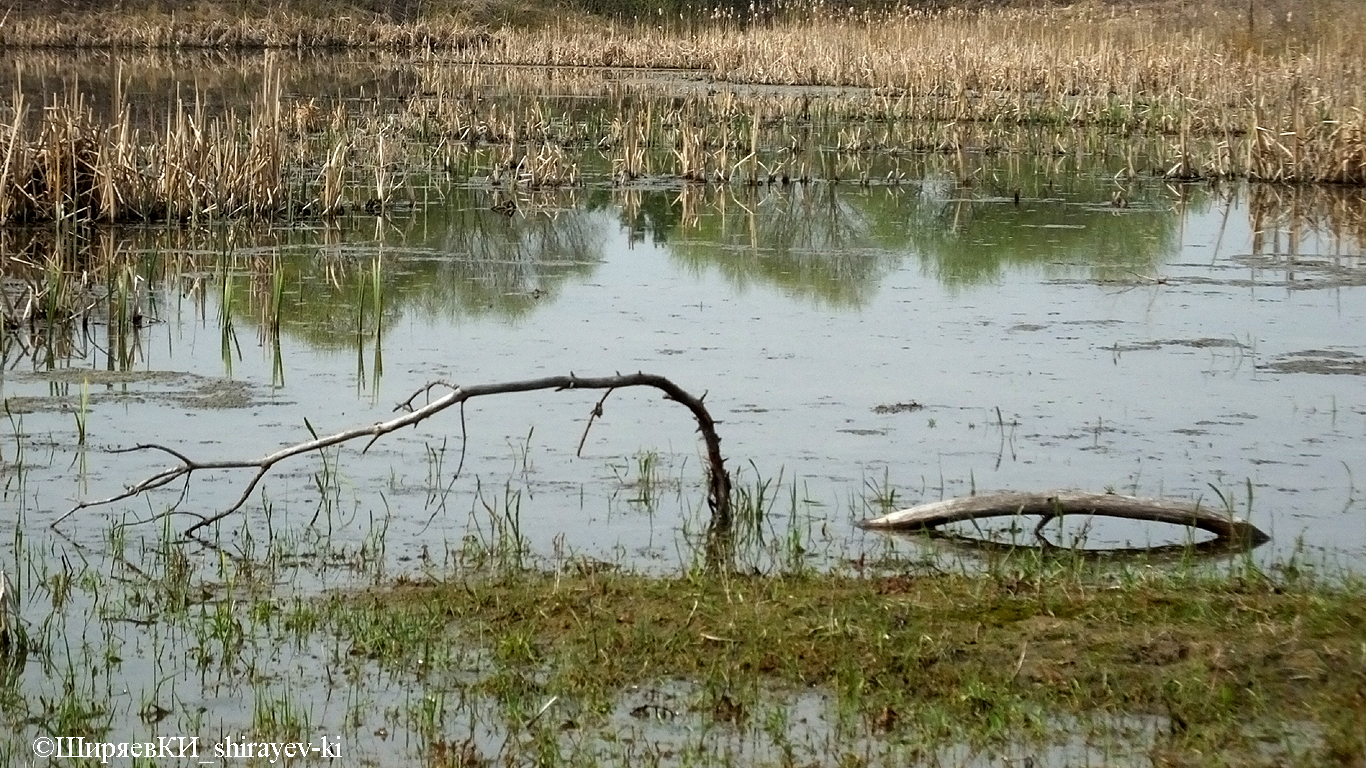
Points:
[1056,503]
[718,495]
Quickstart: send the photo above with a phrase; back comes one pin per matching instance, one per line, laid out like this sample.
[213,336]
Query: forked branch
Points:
[718,487]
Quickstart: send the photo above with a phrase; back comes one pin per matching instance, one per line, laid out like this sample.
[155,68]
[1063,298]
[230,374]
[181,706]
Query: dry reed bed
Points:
[1021,82]
[286,160]
[71,167]
[279,161]
[1227,108]
[726,136]
[1225,105]
[281,30]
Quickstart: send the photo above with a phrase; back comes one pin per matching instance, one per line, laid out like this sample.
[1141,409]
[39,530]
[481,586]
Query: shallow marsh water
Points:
[1060,343]
[864,347]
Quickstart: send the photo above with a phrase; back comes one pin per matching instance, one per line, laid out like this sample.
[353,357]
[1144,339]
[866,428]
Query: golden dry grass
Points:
[72,167]
[1276,95]
[1280,102]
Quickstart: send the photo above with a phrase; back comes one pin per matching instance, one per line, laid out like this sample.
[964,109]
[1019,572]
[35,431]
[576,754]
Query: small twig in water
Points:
[597,413]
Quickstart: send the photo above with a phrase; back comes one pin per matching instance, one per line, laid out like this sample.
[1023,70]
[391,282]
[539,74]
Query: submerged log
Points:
[1057,503]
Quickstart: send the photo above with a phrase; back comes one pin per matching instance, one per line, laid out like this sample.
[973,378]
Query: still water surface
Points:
[1179,345]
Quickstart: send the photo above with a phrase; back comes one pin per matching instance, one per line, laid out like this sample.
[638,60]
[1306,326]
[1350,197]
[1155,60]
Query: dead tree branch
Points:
[718,487]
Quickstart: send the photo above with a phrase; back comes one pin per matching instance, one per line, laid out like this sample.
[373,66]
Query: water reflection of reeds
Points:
[812,241]
[1283,217]
[71,295]
[90,293]
[835,243]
